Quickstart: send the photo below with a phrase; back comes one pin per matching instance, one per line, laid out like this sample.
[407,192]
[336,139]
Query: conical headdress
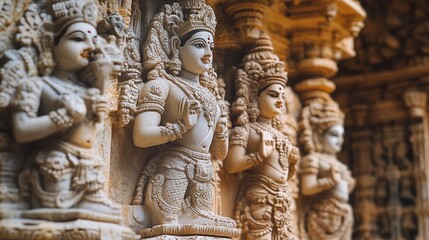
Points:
[67,12]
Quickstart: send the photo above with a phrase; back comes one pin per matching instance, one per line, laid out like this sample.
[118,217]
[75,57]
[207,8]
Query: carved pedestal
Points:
[18,229]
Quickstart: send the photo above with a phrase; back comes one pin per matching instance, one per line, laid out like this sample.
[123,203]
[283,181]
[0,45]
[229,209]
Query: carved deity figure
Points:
[59,108]
[263,154]
[179,114]
[324,180]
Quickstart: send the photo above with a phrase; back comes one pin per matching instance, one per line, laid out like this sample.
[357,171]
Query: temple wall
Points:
[375,68]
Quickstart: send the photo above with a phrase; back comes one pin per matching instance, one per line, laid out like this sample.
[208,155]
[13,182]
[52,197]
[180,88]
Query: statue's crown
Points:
[273,73]
[67,12]
[326,114]
[197,16]
[262,65]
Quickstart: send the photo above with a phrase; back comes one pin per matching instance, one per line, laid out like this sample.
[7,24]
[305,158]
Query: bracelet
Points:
[223,135]
[61,118]
[326,183]
[255,159]
[173,130]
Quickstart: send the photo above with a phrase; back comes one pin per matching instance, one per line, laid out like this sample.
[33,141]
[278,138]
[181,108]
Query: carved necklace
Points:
[63,87]
[282,143]
[195,91]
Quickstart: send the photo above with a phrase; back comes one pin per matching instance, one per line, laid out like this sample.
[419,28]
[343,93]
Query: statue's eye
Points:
[199,45]
[78,38]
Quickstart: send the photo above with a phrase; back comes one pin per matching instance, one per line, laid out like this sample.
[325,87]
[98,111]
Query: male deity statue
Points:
[263,154]
[178,113]
[57,107]
[325,181]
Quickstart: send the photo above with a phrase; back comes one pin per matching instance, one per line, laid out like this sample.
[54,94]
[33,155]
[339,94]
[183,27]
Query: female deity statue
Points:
[59,108]
[178,113]
[325,181]
[263,154]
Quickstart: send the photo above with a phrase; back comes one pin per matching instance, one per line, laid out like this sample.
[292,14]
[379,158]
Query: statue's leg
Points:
[257,217]
[198,208]
[89,177]
[165,194]
[55,169]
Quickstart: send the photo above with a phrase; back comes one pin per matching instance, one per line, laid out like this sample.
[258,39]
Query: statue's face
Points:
[75,47]
[271,100]
[332,139]
[196,54]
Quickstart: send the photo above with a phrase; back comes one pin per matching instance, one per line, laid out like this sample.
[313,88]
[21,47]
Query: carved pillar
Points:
[361,154]
[416,102]
[247,16]
[322,34]
[392,135]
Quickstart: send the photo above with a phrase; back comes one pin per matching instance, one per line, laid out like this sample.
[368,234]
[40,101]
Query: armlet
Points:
[309,165]
[239,136]
[27,97]
[152,100]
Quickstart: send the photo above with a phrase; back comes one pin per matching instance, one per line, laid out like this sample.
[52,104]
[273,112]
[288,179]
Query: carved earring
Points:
[174,65]
[46,62]
[253,112]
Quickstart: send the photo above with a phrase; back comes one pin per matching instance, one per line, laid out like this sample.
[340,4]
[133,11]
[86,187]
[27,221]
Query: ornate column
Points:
[250,17]
[361,145]
[247,16]
[321,34]
[416,101]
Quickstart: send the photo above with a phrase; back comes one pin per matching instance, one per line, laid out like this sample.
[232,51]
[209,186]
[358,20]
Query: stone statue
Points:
[324,180]
[263,154]
[56,109]
[181,115]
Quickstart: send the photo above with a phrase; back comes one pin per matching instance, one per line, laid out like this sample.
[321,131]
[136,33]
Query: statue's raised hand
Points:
[221,126]
[75,106]
[334,174]
[190,114]
[267,144]
[98,103]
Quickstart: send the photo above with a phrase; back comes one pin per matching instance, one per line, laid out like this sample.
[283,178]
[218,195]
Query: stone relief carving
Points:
[395,189]
[14,69]
[34,60]
[10,12]
[116,31]
[180,112]
[59,76]
[393,38]
[261,152]
[325,182]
